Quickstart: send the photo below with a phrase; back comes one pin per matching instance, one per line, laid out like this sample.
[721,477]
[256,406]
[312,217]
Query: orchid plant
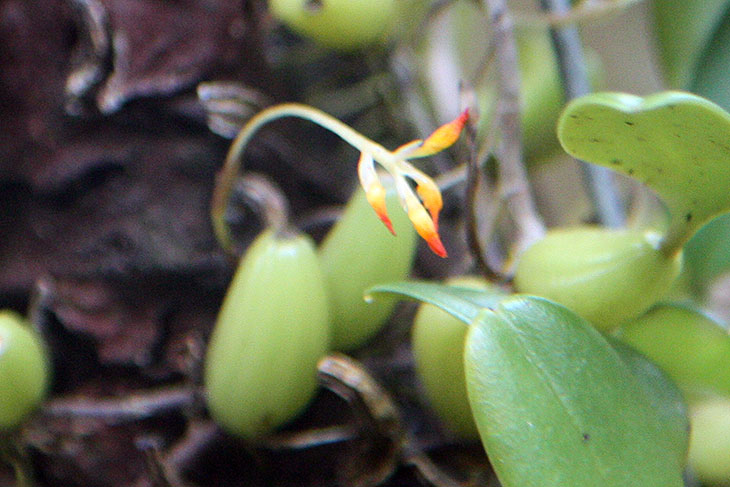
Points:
[422,205]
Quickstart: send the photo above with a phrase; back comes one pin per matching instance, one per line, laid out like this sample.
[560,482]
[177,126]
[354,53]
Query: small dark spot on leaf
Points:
[630,124]
[573,115]
[688,217]
[586,436]
[616,162]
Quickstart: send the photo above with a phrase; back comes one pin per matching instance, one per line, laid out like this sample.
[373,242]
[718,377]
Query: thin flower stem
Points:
[482,213]
[598,180]
[231,167]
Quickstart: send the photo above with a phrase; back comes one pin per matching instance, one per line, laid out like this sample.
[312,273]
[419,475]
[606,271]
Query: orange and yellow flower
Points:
[423,205]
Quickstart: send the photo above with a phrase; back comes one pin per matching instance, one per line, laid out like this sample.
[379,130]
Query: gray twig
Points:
[473,237]
[598,180]
[128,408]
[514,187]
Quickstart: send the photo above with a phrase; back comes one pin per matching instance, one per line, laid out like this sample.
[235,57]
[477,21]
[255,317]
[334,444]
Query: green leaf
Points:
[557,406]
[461,302]
[662,393]
[676,143]
[683,29]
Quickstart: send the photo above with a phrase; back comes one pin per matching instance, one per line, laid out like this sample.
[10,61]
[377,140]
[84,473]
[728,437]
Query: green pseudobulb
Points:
[606,276]
[438,351]
[24,370]
[338,24]
[709,451]
[358,253]
[272,329]
[693,349]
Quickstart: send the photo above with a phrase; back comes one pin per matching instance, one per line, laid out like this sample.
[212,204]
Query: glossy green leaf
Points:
[663,394]
[461,302]
[683,29]
[556,406]
[676,143]
[694,45]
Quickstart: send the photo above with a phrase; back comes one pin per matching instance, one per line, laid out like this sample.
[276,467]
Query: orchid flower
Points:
[422,205]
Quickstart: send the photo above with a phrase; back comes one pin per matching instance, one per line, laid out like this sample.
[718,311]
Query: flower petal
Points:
[442,138]
[426,188]
[427,230]
[405,151]
[421,219]
[374,190]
